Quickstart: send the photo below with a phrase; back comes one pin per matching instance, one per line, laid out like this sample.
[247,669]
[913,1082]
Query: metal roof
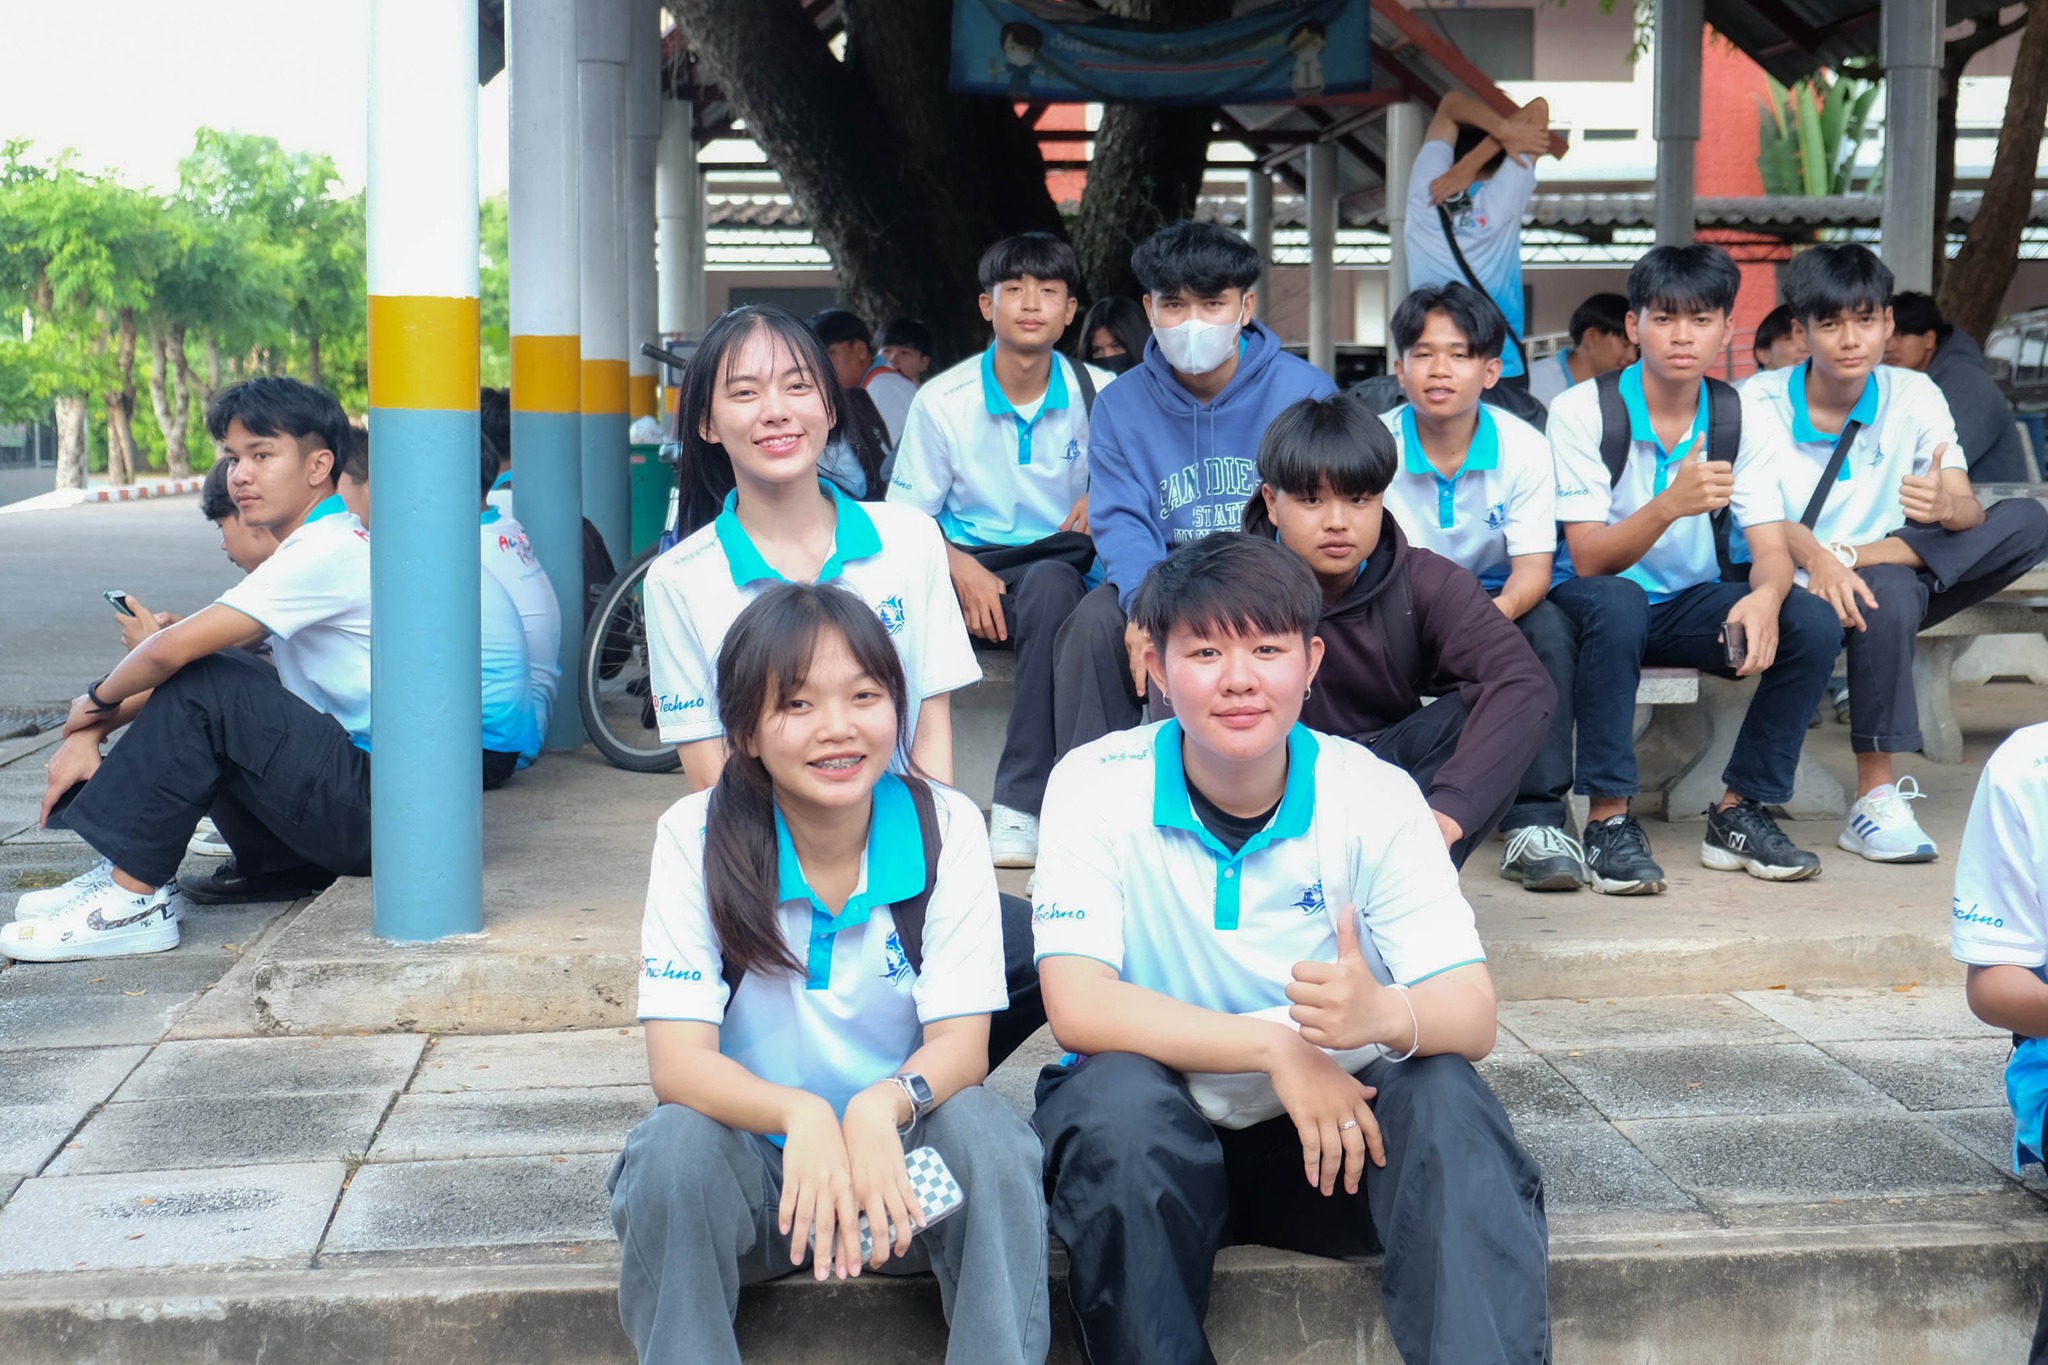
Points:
[1792,38]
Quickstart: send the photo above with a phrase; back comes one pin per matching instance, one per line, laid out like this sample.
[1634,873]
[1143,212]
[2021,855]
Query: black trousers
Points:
[222,737]
[1547,785]
[1420,743]
[1040,593]
[1092,693]
[1143,1190]
[1008,1030]
[1959,569]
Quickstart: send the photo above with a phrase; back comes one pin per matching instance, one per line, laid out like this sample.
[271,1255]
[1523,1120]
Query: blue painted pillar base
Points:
[426,675]
[547,495]
[607,481]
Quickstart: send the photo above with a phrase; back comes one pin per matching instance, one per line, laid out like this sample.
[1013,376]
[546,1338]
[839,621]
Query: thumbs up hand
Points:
[1338,1004]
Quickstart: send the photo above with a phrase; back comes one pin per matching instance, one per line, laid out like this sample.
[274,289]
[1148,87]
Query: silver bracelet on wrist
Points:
[1413,1021]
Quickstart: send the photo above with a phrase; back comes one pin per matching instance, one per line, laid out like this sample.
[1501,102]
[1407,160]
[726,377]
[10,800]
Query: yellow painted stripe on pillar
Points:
[547,374]
[423,353]
[640,396]
[604,386]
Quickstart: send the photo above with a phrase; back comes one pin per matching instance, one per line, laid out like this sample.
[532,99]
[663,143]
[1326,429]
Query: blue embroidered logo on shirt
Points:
[895,962]
[1310,901]
[1497,517]
[890,609]
[1073,451]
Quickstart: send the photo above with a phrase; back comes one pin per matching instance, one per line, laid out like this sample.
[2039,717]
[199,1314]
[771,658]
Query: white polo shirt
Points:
[1551,376]
[500,496]
[891,556]
[1129,876]
[313,596]
[509,558]
[893,394]
[1501,502]
[988,473]
[2000,912]
[859,1011]
[1905,420]
[1487,220]
[510,716]
[1683,556]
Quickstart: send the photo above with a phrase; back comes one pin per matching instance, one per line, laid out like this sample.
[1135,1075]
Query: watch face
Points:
[920,1091]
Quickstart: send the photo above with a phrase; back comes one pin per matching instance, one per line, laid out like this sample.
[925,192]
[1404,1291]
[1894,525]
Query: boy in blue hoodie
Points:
[1172,453]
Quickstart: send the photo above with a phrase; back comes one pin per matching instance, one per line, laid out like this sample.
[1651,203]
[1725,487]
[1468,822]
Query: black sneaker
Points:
[1744,838]
[229,885]
[1543,858]
[1618,858]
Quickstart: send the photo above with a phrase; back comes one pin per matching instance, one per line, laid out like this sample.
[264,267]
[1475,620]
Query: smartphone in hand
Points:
[938,1194]
[117,598]
[1735,640]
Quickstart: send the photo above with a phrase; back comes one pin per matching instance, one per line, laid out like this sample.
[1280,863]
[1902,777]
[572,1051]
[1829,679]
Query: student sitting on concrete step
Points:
[1874,490]
[1251,939]
[821,958]
[1658,468]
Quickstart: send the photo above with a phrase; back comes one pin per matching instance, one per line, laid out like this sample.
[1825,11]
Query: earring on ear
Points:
[1307,692]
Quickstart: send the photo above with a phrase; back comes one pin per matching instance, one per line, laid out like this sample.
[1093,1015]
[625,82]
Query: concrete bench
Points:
[2003,636]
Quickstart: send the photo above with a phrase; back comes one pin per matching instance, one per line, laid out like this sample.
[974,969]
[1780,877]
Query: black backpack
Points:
[908,915]
[1724,439]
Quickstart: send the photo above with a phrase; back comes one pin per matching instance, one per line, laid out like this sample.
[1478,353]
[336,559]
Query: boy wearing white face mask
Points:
[1172,453]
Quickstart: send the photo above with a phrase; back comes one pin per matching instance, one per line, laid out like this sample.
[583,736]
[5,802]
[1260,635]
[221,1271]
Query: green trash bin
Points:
[651,480]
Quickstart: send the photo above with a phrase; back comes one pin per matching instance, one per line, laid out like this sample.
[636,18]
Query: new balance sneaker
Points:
[1618,858]
[1744,838]
[35,905]
[1882,828]
[1012,837]
[109,921]
[207,843]
[1543,858]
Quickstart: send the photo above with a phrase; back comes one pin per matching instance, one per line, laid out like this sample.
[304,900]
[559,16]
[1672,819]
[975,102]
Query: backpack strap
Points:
[1087,385]
[909,915]
[1614,428]
[1724,442]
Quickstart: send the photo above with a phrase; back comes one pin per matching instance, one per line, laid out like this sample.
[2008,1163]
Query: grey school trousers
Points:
[695,1205]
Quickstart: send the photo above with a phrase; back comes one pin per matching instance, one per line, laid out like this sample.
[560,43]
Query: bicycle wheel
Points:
[617,693]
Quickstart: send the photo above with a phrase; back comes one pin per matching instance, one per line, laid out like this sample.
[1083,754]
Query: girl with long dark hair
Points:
[758,406]
[821,956]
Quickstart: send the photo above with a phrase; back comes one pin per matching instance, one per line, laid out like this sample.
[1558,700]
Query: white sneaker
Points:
[51,901]
[1883,829]
[110,921]
[207,843]
[1012,837]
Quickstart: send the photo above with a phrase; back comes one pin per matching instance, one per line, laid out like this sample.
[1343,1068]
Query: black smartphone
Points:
[118,600]
[1735,639]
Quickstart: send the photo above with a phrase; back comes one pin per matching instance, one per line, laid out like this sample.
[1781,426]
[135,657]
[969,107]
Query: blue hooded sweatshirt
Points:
[1165,468]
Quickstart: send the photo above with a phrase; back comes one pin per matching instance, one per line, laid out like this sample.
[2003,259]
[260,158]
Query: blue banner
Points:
[1048,51]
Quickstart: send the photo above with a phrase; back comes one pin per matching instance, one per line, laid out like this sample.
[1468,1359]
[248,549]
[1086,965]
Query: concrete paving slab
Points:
[152,1135]
[265,1067]
[496,1201]
[1808,1158]
[512,1123]
[1933,1073]
[1639,1021]
[168,1219]
[10,1181]
[1988,1133]
[30,1134]
[1678,1082]
[1590,1167]
[1834,1016]
[536,1061]
[1532,1091]
[128,999]
[2000,1214]
[1016,1080]
[64,1076]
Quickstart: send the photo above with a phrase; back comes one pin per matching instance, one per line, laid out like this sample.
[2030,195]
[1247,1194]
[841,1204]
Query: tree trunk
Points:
[71,440]
[313,359]
[168,396]
[120,448]
[1148,164]
[125,356]
[1975,285]
[1956,56]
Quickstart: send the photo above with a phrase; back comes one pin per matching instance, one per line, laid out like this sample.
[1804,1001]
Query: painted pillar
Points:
[1675,117]
[600,87]
[1322,256]
[547,378]
[1913,223]
[425,656]
[643,132]
[1258,223]
[679,199]
[1406,123]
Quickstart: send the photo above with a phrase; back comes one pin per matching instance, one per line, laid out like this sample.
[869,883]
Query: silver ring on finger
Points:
[1348,1123]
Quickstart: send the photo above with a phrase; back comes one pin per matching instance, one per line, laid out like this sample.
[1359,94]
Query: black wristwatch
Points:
[920,1093]
[92,694]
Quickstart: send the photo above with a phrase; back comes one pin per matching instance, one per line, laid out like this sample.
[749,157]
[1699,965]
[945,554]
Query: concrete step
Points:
[1876,1292]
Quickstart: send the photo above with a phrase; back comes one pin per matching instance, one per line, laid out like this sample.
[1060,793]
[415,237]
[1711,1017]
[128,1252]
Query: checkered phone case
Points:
[938,1193]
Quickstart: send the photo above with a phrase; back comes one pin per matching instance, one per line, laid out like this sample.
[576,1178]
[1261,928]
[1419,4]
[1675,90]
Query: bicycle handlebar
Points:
[654,352]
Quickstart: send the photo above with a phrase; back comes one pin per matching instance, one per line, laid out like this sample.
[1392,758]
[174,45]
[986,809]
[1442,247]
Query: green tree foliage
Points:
[494,281]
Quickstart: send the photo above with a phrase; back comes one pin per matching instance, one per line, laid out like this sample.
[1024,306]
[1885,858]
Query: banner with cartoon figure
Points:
[1053,51]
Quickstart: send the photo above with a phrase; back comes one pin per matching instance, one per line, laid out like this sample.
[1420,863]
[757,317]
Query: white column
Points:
[643,133]
[1406,123]
[1322,256]
[679,204]
[547,370]
[1675,116]
[1913,223]
[1258,222]
[600,80]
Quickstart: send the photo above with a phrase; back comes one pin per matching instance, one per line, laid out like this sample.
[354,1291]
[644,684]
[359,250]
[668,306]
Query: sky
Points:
[126,82]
